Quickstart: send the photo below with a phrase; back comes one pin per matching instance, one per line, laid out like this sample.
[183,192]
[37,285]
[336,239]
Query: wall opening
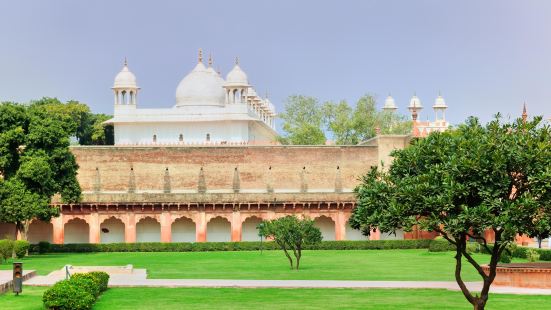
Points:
[249,231]
[112,231]
[218,230]
[76,231]
[327,227]
[40,231]
[183,230]
[354,234]
[148,230]
[398,235]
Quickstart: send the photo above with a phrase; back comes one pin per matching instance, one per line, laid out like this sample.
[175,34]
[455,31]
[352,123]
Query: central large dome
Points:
[201,87]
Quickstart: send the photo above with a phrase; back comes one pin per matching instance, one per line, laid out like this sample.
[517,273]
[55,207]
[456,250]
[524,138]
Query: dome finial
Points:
[125,61]
[524,113]
[200,55]
[237,60]
[210,60]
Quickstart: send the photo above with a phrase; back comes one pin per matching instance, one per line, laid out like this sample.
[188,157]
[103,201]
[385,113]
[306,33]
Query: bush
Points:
[532,255]
[473,247]
[43,247]
[505,257]
[86,282]
[102,278]
[21,248]
[6,249]
[228,246]
[65,295]
[440,246]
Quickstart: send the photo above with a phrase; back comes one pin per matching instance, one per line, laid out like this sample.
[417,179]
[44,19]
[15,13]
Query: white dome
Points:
[439,102]
[236,77]
[125,78]
[390,104]
[415,102]
[201,87]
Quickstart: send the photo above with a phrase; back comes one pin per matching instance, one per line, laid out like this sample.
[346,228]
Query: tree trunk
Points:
[539,242]
[479,304]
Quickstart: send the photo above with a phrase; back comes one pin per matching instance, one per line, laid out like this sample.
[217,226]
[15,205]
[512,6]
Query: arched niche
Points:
[148,230]
[112,231]
[76,231]
[327,227]
[218,230]
[354,234]
[40,231]
[183,230]
[248,229]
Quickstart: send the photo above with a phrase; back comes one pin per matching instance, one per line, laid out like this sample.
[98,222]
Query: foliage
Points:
[102,278]
[86,282]
[102,134]
[291,234]
[532,255]
[45,247]
[21,248]
[439,246]
[65,295]
[305,121]
[35,160]
[302,121]
[6,249]
[462,183]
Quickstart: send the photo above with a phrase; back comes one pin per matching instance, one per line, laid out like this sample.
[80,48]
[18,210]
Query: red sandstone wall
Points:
[184,164]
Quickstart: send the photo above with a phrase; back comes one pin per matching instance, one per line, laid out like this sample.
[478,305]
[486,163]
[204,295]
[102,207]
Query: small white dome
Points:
[415,103]
[236,77]
[439,102]
[125,78]
[390,104]
[201,86]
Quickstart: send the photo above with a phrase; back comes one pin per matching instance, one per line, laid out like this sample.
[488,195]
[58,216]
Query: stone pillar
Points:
[130,228]
[201,227]
[340,226]
[166,227]
[375,235]
[94,235]
[236,226]
[57,223]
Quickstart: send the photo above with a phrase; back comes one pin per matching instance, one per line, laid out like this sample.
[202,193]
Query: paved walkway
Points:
[129,277]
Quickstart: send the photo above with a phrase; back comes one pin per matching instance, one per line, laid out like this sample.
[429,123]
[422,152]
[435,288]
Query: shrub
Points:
[505,257]
[102,278]
[64,295]
[43,247]
[532,255]
[440,246]
[86,282]
[21,248]
[6,249]
[473,247]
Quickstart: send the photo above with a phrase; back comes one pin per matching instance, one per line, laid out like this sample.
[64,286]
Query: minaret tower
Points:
[415,105]
[236,85]
[524,114]
[125,88]
[439,108]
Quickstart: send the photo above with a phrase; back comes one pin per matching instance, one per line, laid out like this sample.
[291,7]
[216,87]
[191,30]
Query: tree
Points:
[352,126]
[302,121]
[35,163]
[102,134]
[467,183]
[291,234]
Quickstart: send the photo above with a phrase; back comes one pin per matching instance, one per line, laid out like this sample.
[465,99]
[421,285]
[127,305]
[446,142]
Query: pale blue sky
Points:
[484,56]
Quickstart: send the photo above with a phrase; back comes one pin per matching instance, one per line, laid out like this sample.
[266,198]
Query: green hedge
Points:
[440,246]
[522,252]
[225,246]
[78,293]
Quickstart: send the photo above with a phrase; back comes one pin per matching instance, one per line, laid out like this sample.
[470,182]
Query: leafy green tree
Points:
[35,164]
[464,183]
[102,134]
[303,121]
[352,126]
[291,234]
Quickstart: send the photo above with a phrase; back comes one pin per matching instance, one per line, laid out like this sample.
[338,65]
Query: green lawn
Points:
[232,298]
[414,265]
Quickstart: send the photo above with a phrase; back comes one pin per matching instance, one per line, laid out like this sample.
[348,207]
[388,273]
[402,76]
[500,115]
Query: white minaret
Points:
[125,88]
[439,108]
[236,85]
[390,104]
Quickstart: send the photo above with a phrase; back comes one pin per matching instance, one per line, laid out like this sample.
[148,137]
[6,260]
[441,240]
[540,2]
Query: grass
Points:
[233,298]
[390,265]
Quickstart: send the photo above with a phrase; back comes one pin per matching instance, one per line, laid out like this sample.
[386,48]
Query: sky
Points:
[484,57]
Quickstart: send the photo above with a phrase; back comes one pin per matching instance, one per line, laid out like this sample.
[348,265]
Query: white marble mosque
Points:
[208,110]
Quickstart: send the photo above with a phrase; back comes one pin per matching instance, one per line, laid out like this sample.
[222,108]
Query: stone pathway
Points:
[138,278]
[6,278]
